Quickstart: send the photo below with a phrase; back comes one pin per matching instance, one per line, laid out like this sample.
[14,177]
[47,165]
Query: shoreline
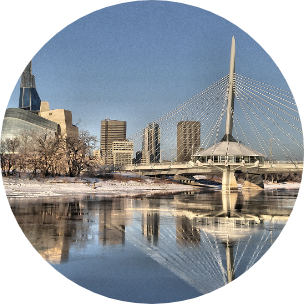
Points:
[59,187]
[73,186]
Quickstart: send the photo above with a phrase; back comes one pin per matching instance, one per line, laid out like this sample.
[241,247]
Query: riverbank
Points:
[283,186]
[71,186]
[118,187]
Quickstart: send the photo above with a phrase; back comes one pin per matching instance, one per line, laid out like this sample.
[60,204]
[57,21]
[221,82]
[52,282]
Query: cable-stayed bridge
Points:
[262,132]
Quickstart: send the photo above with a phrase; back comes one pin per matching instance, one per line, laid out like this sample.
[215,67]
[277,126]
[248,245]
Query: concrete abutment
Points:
[253,181]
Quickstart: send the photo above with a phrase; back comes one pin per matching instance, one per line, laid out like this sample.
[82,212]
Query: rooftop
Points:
[229,148]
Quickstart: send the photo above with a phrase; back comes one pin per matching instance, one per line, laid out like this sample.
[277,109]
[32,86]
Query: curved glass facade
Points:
[17,121]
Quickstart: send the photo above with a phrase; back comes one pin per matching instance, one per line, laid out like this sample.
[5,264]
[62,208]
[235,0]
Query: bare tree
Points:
[3,156]
[48,153]
[9,149]
[45,152]
[78,152]
[88,140]
[25,146]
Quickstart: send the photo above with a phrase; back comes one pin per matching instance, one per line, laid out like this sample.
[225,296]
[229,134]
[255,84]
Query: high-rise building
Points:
[151,144]
[111,130]
[29,98]
[188,139]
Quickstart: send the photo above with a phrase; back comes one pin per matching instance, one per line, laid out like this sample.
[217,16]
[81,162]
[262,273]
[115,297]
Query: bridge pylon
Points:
[230,103]
[228,180]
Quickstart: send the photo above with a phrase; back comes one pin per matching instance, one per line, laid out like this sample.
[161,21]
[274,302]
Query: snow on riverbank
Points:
[65,186]
[23,187]
[285,186]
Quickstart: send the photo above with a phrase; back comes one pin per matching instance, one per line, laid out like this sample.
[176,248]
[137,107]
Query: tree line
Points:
[48,154]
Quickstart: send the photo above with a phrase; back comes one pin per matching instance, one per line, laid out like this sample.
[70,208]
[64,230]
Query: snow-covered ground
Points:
[287,185]
[65,186]
[23,187]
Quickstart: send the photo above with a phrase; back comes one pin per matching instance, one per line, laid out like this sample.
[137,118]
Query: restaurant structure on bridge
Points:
[228,151]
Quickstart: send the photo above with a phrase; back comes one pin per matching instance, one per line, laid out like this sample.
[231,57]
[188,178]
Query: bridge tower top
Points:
[230,103]
[228,146]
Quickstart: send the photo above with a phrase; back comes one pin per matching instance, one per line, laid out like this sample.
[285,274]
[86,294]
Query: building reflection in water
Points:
[46,227]
[206,239]
[150,220]
[111,224]
[187,232]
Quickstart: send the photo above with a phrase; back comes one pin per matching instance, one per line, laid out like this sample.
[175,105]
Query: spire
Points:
[29,98]
[27,79]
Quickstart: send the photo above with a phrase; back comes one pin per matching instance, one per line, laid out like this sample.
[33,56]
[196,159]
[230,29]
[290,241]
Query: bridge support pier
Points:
[183,179]
[253,181]
[229,181]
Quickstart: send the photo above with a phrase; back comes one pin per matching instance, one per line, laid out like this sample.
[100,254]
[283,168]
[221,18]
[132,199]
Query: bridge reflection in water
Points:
[206,239]
[213,244]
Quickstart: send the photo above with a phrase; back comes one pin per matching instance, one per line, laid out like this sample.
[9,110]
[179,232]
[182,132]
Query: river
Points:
[160,248]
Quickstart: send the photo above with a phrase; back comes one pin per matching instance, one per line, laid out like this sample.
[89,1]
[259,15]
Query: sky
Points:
[137,61]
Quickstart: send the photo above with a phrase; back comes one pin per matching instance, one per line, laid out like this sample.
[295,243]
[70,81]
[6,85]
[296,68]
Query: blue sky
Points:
[136,61]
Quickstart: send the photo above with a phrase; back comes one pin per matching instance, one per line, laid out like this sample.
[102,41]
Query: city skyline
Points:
[137,59]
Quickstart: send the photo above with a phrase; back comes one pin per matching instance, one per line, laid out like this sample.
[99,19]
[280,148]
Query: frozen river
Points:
[160,248]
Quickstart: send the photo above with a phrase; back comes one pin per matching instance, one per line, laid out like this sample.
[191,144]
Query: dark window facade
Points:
[29,99]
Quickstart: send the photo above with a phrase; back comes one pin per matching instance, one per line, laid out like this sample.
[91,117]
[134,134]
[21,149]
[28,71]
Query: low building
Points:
[122,152]
[96,153]
[97,157]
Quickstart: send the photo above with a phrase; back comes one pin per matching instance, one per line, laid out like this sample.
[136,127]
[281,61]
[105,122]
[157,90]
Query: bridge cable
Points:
[272,134]
[275,123]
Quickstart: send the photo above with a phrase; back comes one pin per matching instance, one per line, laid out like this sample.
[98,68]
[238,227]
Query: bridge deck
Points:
[205,168]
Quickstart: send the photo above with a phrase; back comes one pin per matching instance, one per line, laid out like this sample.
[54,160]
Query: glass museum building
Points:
[16,121]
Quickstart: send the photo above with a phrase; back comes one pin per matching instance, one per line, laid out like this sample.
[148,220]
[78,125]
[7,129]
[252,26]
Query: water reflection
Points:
[112,222]
[150,220]
[206,239]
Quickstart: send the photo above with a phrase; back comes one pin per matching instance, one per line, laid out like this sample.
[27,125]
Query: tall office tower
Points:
[188,139]
[111,130]
[29,98]
[151,144]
